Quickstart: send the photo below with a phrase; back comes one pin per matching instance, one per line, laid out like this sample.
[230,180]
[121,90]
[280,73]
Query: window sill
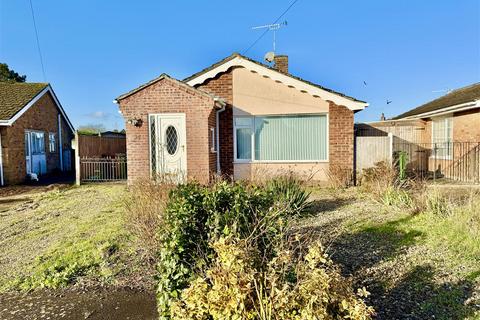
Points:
[278,161]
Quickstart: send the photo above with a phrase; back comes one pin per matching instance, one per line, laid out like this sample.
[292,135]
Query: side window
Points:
[52,142]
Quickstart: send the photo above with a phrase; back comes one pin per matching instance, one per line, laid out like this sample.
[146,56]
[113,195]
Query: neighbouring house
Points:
[238,118]
[35,133]
[442,135]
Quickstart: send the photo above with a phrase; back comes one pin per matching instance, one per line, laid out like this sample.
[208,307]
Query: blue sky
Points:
[95,50]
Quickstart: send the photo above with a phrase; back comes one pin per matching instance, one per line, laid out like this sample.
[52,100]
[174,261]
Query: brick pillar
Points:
[341,135]
[281,63]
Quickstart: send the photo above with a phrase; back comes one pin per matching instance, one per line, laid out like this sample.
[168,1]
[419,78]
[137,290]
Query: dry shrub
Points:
[145,205]
[377,179]
[288,287]
[339,176]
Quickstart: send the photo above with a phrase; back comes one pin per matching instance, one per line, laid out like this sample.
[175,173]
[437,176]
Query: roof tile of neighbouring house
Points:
[15,96]
[235,55]
[458,96]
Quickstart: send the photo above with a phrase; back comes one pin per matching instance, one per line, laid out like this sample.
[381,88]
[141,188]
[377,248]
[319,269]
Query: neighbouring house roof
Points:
[16,98]
[457,97]
[237,59]
[166,76]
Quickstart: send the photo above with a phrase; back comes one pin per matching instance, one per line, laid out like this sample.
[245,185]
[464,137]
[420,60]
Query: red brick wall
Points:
[42,116]
[341,120]
[168,96]
[222,86]
[466,126]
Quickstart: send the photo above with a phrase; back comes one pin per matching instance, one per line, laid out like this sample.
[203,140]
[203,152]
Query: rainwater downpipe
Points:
[217,129]
[60,144]
[1,162]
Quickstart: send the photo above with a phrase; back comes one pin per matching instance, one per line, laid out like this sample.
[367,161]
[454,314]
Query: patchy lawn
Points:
[74,239]
[419,266]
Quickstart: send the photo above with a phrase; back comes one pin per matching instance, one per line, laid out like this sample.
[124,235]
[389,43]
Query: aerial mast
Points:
[272,27]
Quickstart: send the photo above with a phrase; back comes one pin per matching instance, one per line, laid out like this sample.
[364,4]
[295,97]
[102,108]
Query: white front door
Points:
[168,154]
[35,157]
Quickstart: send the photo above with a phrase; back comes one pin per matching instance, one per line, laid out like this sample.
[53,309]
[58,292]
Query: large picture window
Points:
[442,137]
[281,138]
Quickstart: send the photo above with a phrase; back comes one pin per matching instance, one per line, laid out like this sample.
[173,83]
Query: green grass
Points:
[66,236]
[428,262]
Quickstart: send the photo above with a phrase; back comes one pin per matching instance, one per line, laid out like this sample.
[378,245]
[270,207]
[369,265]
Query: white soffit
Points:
[279,77]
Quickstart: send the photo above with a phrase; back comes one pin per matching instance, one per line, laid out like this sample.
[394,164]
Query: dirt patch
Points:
[70,304]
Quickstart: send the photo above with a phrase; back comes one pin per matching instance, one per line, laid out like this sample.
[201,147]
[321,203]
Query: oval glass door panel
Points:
[171,137]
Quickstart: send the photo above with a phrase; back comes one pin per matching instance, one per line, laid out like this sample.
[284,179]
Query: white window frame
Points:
[50,144]
[252,138]
[252,129]
[445,119]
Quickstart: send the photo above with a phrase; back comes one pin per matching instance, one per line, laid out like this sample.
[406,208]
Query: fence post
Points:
[76,147]
[390,140]
[434,162]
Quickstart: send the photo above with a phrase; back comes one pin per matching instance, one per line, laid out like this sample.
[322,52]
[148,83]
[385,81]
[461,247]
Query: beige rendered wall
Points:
[254,94]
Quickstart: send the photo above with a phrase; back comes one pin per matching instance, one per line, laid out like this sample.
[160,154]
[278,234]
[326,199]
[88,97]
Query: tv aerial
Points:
[272,27]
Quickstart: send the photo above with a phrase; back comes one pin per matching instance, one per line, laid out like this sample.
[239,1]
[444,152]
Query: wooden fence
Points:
[456,161]
[100,159]
[96,146]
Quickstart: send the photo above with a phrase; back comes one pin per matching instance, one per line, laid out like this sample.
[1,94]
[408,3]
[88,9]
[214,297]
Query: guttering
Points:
[1,162]
[443,111]
[217,129]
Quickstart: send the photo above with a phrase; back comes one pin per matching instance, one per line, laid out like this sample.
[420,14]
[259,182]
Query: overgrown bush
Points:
[289,191]
[287,287]
[197,215]
[145,206]
[339,176]
[218,241]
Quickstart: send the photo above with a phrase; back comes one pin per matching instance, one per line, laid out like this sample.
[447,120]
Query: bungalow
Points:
[35,132]
[237,118]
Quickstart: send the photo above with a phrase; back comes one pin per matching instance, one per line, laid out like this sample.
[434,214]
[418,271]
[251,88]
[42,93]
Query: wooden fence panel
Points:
[371,150]
[96,146]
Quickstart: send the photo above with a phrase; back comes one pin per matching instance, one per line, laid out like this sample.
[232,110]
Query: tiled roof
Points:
[235,55]
[458,96]
[15,96]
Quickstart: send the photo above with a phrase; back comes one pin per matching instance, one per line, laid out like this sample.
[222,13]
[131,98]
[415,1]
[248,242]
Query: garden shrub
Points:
[288,287]
[290,192]
[145,206]
[196,215]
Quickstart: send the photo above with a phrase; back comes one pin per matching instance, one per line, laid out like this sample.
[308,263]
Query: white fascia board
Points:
[32,102]
[443,111]
[280,77]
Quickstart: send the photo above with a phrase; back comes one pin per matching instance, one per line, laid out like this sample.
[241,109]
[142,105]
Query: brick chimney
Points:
[281,63]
